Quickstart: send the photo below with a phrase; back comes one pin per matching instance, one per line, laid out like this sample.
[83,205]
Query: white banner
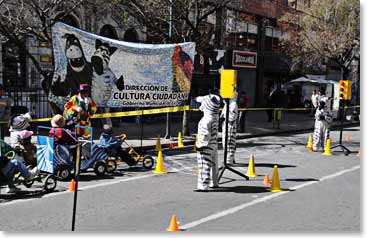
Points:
[121,74]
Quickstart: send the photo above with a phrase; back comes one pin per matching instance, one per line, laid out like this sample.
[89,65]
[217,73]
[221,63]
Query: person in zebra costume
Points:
[323,119]
[206,143]
[232,129]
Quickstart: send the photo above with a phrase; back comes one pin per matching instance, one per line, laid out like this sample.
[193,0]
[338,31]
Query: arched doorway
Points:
[69,19]
[108,31]
[131,35]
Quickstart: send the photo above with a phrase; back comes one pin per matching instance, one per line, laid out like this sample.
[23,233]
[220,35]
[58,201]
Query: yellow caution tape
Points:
[169,109]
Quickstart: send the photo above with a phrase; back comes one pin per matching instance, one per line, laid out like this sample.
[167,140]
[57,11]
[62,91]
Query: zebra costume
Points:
[323,119]
[103,78]
[207,142]
[232,129]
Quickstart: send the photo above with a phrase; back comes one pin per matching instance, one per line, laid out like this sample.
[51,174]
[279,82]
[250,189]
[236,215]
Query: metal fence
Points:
[33,100]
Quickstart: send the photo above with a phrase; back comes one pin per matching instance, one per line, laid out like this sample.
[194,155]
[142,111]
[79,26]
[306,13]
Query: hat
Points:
[84,88]
[58,121]
[107,129]
[25,134]
[19,122]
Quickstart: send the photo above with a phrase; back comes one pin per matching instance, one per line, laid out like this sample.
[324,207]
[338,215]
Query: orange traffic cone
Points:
[171,146]
[347,137]
[72,186]
[266,179]
[173,226]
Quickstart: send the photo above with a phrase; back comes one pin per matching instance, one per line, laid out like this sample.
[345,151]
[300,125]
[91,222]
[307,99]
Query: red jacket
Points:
[62,136]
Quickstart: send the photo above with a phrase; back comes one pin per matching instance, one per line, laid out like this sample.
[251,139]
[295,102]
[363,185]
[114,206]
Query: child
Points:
[17,124]
[20,138]
[62,136]
[29,153]
[8,168]
[112,146]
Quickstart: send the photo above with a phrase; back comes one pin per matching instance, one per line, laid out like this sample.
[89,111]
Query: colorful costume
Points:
[323,119]
[207,142]
[232,129]
[80,109]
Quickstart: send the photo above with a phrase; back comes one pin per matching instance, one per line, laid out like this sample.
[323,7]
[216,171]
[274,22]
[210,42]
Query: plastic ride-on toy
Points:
[146,160]
[45,176]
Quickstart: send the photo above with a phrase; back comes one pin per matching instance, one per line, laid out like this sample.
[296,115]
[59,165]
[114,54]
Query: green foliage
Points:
[328,31]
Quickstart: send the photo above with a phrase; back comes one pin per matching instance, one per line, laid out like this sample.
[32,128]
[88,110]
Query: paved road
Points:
[321,194]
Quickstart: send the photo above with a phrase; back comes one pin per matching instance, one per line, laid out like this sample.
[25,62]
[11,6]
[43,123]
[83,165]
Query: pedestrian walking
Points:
[80,109]
[206,144]
[314,101]
[323,120]
[242,103]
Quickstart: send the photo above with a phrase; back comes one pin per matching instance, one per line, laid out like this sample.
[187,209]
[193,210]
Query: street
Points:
[320,194]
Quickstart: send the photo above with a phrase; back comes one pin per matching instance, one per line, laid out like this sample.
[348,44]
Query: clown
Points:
[207,143]
[232,128]
[80,108]
[323,119]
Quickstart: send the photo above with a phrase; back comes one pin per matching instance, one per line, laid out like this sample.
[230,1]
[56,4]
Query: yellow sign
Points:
[228,82]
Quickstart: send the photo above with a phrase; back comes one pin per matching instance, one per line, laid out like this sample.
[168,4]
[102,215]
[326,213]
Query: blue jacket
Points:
[107,141]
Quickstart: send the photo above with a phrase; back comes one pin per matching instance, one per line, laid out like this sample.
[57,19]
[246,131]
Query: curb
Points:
[190,143]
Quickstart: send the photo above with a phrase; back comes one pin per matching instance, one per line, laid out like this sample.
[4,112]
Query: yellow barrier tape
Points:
[169,109]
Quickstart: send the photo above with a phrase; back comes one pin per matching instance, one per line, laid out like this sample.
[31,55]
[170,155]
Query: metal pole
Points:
[76,176]
[168,116]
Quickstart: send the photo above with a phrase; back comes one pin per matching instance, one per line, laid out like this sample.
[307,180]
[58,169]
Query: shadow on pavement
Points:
[24,194]
[269,165]
[301,179]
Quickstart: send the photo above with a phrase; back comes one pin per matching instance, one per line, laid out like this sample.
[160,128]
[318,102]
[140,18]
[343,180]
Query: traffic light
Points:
[345,89]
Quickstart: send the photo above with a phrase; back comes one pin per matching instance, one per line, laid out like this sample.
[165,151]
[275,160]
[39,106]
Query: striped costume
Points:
[323,119]
[232,129]
[207,142]
[80,110]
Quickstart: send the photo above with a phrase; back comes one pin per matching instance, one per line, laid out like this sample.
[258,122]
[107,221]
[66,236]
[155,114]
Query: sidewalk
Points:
[256,126]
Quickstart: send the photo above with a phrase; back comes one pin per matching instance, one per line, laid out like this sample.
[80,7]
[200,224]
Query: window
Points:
[14,66]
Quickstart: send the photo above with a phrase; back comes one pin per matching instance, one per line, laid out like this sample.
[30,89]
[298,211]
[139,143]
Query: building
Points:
[21,78]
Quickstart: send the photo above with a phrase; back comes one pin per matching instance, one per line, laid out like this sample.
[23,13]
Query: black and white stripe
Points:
[207,145]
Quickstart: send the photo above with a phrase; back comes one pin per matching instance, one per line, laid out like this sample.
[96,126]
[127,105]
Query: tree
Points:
[327,32]
[189,18]
[22,19]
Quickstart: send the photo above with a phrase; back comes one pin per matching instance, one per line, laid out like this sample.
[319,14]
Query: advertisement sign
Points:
[244,59]
[120,74]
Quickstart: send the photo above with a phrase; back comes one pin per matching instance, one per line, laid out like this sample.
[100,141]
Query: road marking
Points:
[79,189]
[174,170]
[263,199]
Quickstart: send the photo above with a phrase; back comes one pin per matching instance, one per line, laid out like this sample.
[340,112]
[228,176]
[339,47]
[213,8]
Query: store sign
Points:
[244,59]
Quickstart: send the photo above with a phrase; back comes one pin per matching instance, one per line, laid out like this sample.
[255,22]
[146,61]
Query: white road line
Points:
[88,187]
[263,199]
[79,189]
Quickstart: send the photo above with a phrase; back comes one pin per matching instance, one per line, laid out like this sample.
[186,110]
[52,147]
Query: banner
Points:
[121,74]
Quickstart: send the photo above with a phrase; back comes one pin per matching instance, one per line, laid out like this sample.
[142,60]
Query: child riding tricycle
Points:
[113,147]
